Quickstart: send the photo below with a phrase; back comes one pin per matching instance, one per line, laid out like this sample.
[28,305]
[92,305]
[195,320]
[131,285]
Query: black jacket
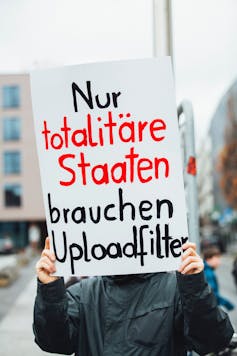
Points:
[139,315]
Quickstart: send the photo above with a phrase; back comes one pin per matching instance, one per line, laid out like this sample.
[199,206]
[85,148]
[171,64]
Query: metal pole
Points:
[162,28]
[190,176]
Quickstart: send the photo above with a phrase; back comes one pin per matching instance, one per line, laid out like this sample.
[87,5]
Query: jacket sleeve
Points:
[56,318]
[206,327]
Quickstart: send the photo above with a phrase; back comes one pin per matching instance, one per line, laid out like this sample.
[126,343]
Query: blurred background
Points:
[200,36]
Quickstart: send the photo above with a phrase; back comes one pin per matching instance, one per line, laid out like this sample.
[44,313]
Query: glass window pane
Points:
[11,161]
[11,96]
[12,195]
[11,129]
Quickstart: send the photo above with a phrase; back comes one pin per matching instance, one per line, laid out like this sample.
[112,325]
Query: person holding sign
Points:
[162,314]
[115,208]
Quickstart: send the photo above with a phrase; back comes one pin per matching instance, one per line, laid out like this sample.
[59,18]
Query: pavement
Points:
[9,294]
[227,286]
[16,336]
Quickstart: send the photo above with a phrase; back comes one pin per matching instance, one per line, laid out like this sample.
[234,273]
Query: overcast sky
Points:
[205,50]
[61,32]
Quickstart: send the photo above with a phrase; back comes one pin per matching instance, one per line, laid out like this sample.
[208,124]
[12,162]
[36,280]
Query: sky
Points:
[205,55]
[63,32]
[48,33]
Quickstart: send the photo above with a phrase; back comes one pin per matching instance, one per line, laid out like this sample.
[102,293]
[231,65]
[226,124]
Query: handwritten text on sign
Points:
[110,166]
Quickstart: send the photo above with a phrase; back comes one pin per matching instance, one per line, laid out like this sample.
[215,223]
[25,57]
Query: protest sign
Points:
[109,154]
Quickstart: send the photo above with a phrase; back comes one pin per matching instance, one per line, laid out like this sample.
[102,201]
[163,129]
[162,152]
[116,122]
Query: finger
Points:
[46,268]
[189,245]
[43,266]
[188,252]
[192,267]
[47,243]
[45,259]
[49,254]
[187,262]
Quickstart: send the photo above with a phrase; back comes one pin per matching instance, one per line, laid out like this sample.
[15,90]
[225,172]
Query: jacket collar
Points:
[127,278]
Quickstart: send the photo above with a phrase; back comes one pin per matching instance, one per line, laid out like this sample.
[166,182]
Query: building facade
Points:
[205,179]
[21,203]
[222,130]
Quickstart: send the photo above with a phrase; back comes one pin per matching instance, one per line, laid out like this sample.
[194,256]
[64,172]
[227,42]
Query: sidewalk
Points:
[16,336]
[226,284]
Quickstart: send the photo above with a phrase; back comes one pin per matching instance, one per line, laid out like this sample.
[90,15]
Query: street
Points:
[16,336]
[8,295]
[16,309]
[227,286]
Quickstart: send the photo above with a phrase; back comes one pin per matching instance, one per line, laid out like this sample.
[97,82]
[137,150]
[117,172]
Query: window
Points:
[11,129]
[12,195]
[11,96]
[12,162]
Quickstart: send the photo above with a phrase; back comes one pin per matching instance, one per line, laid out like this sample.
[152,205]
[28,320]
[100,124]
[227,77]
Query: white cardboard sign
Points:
[110,162]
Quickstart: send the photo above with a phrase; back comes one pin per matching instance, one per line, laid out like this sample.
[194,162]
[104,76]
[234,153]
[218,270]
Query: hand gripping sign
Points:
[110,162]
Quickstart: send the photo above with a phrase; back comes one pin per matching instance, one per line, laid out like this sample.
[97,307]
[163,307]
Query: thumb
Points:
[47,243]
